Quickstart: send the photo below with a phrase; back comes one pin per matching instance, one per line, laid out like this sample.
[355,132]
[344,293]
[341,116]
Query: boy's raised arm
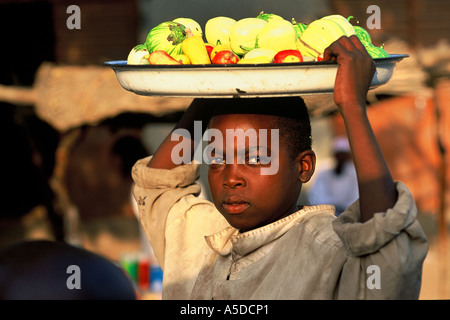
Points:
[377,191]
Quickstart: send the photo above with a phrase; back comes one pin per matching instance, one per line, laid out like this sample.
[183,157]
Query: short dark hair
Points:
[292,117]
[296,133]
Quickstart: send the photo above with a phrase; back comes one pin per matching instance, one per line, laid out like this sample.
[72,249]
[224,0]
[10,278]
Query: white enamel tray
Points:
[239,80]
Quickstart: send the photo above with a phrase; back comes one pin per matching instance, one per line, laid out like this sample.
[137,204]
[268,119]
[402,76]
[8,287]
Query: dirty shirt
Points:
[309,254]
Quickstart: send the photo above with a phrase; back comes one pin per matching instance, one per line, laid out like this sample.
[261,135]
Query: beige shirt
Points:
[309,254]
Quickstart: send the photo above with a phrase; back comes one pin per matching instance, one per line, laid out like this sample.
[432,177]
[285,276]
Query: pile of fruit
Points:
[267,38]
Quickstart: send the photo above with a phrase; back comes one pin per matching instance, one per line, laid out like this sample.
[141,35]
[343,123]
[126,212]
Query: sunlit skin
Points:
[246,198]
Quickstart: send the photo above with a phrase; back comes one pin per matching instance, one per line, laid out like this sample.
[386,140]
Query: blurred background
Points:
[70,133]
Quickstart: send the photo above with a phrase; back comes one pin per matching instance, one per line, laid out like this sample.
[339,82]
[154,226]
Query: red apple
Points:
[225,57]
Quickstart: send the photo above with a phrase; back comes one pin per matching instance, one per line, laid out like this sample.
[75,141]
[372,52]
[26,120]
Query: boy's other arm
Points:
[377,191]
[162,158]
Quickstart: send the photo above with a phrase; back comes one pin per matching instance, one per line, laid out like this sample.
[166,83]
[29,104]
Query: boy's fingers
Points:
[344,45]
[333,50]
[347,43]
[356,42]
[359,46]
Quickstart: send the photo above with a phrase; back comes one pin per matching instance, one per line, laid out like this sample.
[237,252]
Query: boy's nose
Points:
[233,177]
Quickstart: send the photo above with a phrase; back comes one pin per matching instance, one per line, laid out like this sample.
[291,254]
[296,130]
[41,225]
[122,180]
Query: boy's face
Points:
[245,197]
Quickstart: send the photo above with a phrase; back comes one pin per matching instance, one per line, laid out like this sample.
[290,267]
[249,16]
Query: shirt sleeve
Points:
[172,215]
[386,253]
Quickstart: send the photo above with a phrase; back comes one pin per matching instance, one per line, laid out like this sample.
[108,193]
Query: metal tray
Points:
[239,80]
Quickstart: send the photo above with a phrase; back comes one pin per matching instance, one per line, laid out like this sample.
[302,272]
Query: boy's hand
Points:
[355,72]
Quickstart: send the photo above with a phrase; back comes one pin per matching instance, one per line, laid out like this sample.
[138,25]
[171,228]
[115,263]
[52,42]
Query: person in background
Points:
[28,145]
[337,185]
[50,270]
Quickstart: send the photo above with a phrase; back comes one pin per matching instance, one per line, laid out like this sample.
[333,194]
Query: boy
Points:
[254,242]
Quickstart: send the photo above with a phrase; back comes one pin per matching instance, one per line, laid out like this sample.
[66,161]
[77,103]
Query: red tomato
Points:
[288,56]
[225,57]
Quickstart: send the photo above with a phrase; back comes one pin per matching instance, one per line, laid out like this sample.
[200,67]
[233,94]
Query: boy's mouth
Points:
[235,205]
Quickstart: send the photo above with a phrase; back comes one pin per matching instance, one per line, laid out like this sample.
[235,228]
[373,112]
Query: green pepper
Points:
[362,34]
[366,40]
[375,52]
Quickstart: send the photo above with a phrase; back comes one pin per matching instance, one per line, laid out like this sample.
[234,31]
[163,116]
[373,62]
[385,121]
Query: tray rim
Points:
[122,64]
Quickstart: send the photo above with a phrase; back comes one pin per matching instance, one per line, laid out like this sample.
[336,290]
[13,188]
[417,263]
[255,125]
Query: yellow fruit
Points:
[278,35]
[269,53]
[343,23]
[184,59]
[192,25]
[217,30]
[256,60]
[243,34]
[269,16]
[138,55]
[321,33]
[194,47]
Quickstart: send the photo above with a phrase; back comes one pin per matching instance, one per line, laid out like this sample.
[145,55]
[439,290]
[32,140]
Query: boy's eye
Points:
[253,160]
[217,160]
[258,160]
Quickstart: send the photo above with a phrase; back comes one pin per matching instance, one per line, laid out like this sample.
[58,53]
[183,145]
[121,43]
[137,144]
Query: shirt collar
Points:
[229,240]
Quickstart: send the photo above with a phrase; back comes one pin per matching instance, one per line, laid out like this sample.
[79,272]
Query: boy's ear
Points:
[306,164]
